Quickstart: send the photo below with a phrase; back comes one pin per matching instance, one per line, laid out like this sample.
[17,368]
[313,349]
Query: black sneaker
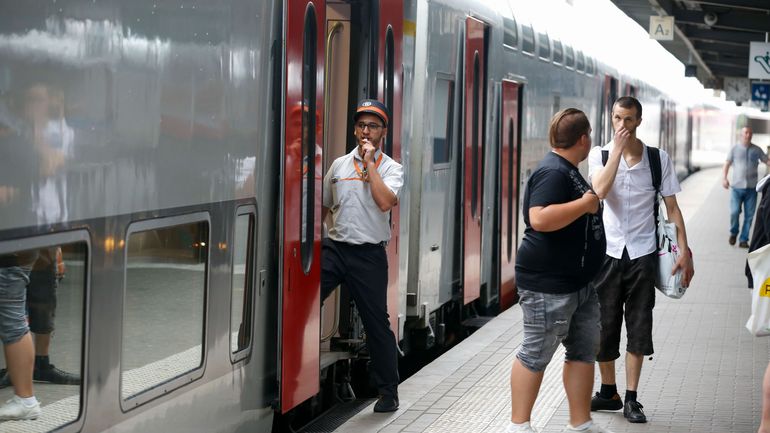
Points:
[386,404]
[51,374]
[600,403]
[632,410]
[732,239]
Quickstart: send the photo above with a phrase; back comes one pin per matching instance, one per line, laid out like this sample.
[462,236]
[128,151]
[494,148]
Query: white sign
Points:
[759,60]
[662,28]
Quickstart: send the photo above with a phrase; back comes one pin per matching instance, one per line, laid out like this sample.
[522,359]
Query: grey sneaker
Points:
[14,409]
[593,428]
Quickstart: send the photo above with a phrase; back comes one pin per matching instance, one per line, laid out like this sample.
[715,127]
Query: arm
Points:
[381,194]
[603,178]
[557,216]
[725,169]
[685,260]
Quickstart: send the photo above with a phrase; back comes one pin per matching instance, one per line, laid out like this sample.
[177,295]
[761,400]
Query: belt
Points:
[9,261]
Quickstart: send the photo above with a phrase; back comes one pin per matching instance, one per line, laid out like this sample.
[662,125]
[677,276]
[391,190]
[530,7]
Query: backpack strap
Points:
[605,157]
[653,156]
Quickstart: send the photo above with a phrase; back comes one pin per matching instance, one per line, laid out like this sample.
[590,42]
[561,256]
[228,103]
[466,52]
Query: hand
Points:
[7,193]
[622,138]
[725,183]
[592,202]
[368,150]
[685,264]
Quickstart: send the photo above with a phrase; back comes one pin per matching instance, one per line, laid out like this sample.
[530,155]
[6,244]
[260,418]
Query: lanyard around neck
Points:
[363,173]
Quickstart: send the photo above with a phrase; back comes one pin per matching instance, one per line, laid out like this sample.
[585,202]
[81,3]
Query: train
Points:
[174,151]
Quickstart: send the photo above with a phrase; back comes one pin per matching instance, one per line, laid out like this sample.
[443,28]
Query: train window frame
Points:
[590,66]
[528,44]
[309,91]
[557,59]
[171,385]
[510,33]
[580,61]
[449,80]
[38,241]
[543,46]
[569,57]
[250,282]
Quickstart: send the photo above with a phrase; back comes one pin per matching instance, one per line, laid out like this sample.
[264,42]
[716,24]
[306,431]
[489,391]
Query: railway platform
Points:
[705,375]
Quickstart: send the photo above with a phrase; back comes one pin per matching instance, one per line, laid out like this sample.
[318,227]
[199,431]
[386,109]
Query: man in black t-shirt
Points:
[562,249]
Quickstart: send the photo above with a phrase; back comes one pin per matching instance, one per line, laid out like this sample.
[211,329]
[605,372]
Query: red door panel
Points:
[389,70]
[301,195]
[472,178]
[510,192]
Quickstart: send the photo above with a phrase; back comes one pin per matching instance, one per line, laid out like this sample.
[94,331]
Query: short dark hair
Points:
[567,126]
[630,102]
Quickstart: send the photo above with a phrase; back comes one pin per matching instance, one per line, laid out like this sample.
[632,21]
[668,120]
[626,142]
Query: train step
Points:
[337,416]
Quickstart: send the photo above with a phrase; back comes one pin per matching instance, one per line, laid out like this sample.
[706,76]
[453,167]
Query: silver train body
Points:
[152,143]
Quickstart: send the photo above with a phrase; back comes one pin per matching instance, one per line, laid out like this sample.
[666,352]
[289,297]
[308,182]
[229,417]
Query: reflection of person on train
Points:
[41,307]
[626,282]
[562,248]
[14,332]
[359,190]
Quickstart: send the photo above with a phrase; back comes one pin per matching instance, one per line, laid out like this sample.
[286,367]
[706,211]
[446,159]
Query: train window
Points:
[390,76]
[580,64]
[52,273]
[309,146]
[558,52]
[511,34]
[590,66]
[543,46]
[569,57]
[442,122]
[527,39]
[242,293]
[164,305]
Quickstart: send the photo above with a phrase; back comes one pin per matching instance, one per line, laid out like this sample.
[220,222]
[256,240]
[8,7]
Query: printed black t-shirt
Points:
[565,260]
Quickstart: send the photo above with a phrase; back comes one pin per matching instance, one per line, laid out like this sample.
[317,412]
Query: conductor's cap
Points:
[372,106]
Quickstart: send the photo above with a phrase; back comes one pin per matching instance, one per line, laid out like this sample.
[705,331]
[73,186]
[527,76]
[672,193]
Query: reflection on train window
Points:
[543,46]
[590,66]
[581,63]
[309,151]
[527,39]
[569,57]
[54,281]
[558,51]
[164,304]
[511,35]
[442,122]
[241,303]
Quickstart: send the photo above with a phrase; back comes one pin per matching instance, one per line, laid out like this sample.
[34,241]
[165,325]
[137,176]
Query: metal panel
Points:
[509,172]
[302,174]
[474,124]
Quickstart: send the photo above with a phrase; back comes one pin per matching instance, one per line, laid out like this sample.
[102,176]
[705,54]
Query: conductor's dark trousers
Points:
[363,269]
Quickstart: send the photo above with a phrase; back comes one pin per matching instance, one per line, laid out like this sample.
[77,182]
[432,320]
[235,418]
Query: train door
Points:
[301,195]
[509,205]
[609,95]
[472,157]
[390,32]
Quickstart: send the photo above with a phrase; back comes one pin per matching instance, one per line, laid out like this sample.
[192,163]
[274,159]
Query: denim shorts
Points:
[552,319]
[13,294]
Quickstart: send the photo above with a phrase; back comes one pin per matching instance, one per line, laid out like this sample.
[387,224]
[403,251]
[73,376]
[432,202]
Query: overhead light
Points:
[710,18]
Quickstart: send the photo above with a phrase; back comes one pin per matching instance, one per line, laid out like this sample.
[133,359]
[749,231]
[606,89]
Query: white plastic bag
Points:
[668,254]
[759,321]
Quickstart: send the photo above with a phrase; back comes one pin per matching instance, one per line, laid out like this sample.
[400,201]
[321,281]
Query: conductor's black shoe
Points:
[600,403]
[386,404]
[743,244]
[632,410]
[51,374]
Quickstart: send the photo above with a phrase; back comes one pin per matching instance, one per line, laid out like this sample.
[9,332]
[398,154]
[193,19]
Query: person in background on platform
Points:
[745,156]
[562,250]
[359,191]
[626,281]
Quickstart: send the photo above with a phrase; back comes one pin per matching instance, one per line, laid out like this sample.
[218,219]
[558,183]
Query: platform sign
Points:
[662,28]
[759,60]
[760,93]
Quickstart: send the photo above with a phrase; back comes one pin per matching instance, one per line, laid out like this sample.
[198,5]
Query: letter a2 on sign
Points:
[662,28]
[759,60]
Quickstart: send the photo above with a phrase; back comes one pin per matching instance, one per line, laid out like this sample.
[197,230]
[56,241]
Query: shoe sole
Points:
[638,421]
[612,409]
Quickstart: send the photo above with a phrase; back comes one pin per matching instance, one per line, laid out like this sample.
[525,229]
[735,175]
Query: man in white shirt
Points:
[626,280]
[359,191]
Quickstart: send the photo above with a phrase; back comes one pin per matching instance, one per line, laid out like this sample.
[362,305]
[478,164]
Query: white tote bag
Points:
[759,321]
[668,254]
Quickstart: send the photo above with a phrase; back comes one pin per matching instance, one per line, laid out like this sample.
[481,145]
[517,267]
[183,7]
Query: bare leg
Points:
[525,385]
[20,357]
[633,370]
[607,371]
[578,380]
[764,425]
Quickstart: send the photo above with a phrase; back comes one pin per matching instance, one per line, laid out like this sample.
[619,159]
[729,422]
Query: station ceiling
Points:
[714,35]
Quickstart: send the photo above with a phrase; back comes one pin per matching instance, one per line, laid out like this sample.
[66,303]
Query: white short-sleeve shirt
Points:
[629,206]
[356,218]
